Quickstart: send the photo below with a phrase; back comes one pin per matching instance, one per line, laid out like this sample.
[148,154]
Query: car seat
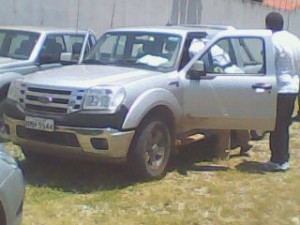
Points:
[25,48]
[52,51]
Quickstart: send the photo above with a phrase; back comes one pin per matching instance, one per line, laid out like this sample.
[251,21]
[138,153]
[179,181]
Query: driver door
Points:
[237,87]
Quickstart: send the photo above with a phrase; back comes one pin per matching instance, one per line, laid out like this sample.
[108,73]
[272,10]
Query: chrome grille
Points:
[46,99]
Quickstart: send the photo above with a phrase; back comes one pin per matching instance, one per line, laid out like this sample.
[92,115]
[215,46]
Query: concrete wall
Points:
[103,14]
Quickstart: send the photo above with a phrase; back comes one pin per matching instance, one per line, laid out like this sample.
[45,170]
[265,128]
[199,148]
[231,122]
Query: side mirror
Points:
[197,70]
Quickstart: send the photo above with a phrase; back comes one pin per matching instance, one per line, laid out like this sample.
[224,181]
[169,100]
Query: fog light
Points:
[99,143]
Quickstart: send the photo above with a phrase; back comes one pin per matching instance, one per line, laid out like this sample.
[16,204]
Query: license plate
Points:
[37,123]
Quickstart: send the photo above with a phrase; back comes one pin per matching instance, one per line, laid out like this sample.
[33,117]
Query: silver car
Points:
[11,189]
[139,93]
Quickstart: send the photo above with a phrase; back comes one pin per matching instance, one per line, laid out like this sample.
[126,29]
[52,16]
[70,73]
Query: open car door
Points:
[232,83]
[88,43]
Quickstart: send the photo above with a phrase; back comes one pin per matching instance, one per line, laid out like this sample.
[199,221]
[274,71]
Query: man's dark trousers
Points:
[279,138]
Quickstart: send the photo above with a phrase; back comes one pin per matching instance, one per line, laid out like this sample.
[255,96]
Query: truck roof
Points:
[40,29]
[211,30]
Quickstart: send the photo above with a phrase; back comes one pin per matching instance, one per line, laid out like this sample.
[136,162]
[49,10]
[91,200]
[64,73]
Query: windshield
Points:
[154,51]
[17,44]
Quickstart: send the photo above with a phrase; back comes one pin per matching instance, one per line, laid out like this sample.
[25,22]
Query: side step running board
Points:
[190,139]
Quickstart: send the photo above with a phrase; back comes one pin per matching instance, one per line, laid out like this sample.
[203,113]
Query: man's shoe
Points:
[245,149]
[276,167]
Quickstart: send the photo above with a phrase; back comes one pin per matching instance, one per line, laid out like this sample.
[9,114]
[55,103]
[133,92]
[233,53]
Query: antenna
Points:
[113,15]
[77,19]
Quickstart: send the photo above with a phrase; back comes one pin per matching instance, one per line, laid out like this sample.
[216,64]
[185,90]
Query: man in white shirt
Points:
[287,65]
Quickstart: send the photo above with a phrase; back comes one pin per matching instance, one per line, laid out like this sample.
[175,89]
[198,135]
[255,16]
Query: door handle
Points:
[174,83]
[263,86]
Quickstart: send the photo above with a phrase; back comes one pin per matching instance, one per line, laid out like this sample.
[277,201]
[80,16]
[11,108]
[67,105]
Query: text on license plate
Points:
[39,123]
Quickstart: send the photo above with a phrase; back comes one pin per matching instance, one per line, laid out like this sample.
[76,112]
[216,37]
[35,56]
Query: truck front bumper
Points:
[96,143]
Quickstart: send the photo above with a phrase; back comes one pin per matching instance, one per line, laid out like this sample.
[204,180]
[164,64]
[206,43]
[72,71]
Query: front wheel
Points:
[33,156]
[150,151]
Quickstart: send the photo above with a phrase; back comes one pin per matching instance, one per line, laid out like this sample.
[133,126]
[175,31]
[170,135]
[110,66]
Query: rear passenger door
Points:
[237,89]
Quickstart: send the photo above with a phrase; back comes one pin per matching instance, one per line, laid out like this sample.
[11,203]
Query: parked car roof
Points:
[40,29]
[211,30]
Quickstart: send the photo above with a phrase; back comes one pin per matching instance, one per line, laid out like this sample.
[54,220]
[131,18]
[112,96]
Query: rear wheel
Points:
[3,94]
[150,150]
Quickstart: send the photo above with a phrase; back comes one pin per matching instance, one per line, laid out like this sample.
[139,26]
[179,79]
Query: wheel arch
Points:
[164,113]
[159,102]
[6,79]
[4,91]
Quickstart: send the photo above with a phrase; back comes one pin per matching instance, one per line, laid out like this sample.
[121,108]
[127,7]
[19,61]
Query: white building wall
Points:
[100,15]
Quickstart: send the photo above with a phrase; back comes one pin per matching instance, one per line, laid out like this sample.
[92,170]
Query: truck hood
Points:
[5,61]
[85,76]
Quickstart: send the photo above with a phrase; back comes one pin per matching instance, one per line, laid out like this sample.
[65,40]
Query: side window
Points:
[76,39]
[21,45]
[76,43]
[121,46]
[235,56]
[221,58]
[252,54]
[16,43]
[51,51]
[2,36]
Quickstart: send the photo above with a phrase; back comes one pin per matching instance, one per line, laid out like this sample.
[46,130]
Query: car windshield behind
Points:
[146,50]
[17,44]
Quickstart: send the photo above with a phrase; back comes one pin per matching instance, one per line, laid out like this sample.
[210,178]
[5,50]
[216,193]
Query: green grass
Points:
[195,191]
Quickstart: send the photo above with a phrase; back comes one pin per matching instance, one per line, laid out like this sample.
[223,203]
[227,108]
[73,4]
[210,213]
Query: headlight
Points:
[14,91]
[7,158]
[104,98]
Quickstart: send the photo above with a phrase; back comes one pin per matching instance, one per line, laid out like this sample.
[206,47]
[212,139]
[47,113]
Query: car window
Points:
[76,39]
[2,35]
[17,44]
[52,48]
[235,56]
[251,51]
[146,50]
[56,44]
[76,43]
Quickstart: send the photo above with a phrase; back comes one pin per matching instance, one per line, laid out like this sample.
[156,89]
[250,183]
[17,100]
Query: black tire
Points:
[32,155]
[3,94]
[2,215]
[150,150]
[257,134]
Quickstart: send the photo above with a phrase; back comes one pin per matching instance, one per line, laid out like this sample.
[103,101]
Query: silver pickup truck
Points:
[25,50]
[140,92]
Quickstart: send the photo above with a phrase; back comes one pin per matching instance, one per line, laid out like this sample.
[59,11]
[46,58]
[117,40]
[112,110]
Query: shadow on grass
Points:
[194,153]
[85,177]
[74,176]
[251,167]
